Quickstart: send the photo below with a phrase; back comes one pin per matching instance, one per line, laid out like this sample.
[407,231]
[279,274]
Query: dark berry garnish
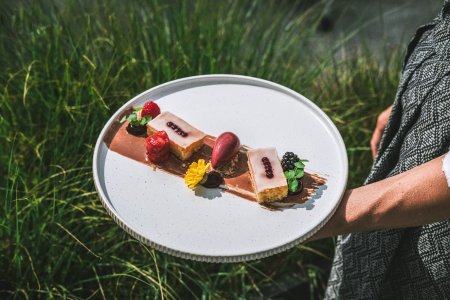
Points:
[177,129]
[139,130]
[267,167]
[288,161]
[293,168]
[213,180]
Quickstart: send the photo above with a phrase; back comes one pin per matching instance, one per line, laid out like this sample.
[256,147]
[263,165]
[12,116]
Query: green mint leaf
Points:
[133,120]
[132,117]
[299,165]
[293,185]
[299,173]
[146,119]
[291,174]
[304,160]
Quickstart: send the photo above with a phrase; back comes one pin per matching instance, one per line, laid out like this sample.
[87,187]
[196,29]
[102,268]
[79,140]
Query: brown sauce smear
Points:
[119,140]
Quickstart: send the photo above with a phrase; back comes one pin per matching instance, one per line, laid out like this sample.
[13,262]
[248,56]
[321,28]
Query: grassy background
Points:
[66,66]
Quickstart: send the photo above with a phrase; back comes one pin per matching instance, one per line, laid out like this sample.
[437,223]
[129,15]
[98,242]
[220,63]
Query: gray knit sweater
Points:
[412,263]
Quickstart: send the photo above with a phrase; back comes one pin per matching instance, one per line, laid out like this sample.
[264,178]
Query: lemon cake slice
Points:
[184,138]
[267,175]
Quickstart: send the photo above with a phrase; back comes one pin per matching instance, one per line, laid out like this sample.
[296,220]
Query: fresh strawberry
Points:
[150,109]
[157,146]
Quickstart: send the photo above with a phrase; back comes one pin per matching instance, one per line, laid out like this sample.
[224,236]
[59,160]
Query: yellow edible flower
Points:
[195,173]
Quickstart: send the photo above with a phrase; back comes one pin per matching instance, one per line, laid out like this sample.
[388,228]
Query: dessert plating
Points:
[220,162]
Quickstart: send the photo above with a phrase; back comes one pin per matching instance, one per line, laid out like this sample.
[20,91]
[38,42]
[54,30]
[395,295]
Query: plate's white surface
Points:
[209,225]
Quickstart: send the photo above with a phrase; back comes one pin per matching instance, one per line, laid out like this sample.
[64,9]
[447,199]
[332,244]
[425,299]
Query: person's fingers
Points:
[379,128]
[375,141]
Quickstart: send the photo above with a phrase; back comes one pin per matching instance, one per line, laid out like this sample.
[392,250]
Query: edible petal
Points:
[195,173]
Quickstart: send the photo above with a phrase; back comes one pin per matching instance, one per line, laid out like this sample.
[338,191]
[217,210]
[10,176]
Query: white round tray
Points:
[158,208]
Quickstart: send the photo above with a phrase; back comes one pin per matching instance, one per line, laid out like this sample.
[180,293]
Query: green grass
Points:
[66,66]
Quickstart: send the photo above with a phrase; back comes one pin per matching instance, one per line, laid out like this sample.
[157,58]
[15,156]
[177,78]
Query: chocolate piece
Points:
[139,130]
[213,180]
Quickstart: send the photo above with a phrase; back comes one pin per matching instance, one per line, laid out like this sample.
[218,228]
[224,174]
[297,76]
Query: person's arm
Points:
[416,197]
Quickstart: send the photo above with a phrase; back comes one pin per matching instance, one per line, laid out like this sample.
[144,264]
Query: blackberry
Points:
[288,161]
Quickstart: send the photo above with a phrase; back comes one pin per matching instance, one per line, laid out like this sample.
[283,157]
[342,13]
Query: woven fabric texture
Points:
[412,263]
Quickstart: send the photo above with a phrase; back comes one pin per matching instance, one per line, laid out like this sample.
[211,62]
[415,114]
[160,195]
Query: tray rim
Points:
[210,258]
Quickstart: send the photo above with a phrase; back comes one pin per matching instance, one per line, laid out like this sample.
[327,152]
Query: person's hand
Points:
[379,128]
